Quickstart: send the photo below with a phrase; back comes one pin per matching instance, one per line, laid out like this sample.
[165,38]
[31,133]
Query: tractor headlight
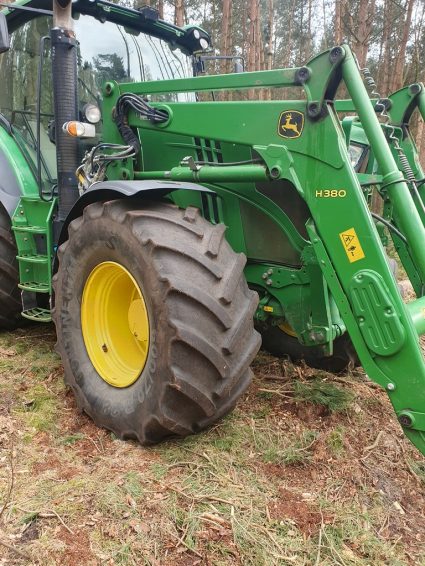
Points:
[204,43]
[92,113]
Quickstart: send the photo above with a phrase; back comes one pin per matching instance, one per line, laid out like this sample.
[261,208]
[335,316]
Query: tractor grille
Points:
[208,150]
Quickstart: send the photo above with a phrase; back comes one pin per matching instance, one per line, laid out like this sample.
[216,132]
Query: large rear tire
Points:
[10,303]
[199,310]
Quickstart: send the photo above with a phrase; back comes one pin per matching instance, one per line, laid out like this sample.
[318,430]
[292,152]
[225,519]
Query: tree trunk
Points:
[401,56]
[309,49]
[271,36]
[225,32]
[287,53]
[364,28]
[270,41]
[179,13]
[253,47]
[338,23]
[386,50]
[420,134]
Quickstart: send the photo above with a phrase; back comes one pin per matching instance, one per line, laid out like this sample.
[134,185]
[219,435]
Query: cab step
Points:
[37,315]
[30,229]
[43,259]
[34,287]
[32,226]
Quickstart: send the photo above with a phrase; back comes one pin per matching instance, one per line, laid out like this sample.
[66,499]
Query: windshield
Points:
[109,52]
[106,52]
[357,155]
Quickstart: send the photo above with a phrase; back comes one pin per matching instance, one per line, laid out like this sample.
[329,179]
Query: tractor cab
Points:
[114,44]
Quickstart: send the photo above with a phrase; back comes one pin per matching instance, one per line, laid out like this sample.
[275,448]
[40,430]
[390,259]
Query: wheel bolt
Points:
[405,420]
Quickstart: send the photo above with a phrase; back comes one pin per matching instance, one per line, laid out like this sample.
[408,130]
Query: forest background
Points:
[387,36]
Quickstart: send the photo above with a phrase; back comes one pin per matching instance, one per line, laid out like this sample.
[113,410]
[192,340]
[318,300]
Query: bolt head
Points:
[390,386]
[405,420]
[269,282]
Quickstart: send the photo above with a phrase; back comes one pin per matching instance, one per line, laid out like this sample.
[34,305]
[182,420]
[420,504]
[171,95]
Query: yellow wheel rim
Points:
[115,324]
[287,329]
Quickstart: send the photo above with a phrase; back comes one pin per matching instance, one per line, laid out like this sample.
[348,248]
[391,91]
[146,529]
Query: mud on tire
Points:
[200,309]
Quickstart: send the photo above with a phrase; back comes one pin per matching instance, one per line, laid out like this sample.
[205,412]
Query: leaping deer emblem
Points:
[290,126]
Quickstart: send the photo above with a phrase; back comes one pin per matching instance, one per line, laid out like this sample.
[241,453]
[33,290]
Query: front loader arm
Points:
[383,329]
[299,146]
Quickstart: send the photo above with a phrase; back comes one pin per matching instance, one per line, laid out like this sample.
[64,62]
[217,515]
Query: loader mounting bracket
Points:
[412,419]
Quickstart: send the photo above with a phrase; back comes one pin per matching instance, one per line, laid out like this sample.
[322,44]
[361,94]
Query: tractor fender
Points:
[10,189]
[110,190]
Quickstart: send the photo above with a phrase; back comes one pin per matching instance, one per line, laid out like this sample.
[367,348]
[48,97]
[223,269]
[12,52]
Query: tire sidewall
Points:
[95,242]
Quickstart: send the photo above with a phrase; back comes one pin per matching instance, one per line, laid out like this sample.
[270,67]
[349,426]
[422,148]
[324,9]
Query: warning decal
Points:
[351,245]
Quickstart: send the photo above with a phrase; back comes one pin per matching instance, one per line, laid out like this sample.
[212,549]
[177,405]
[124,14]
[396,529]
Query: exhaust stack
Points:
[65,86]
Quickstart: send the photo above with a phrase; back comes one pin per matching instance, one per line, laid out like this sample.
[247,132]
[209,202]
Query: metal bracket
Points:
[412,420]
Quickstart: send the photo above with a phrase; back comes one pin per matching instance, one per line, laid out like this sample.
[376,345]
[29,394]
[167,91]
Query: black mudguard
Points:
[110,190]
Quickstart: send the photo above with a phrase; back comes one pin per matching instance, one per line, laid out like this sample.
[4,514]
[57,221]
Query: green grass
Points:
[294,451]
[72,438]
[213,497]
[324,393]
[335,441]
[419,469]
[39,409]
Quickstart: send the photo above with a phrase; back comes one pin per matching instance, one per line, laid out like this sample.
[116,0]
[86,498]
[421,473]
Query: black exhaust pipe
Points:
[65,96]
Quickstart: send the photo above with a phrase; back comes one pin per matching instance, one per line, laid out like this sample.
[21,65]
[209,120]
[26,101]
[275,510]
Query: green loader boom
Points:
[396,112]
[187,221]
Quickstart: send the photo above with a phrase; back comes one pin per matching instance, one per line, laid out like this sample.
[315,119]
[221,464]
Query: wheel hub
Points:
[115,324]
[287,329]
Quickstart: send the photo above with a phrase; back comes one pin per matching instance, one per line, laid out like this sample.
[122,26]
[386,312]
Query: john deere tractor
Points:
[157,225]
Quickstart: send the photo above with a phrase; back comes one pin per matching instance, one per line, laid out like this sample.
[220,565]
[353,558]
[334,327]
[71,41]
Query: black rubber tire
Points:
[200,311]
[10,298]
[281,344]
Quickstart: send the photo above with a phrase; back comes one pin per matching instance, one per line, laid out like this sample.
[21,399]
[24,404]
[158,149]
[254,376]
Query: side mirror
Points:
[4,34]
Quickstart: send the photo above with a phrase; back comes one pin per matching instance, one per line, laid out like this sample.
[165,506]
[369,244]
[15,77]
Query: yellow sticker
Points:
[267,308]
[351,245]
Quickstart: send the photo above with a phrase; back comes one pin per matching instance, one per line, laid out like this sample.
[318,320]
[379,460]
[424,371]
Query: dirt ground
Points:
[310,469]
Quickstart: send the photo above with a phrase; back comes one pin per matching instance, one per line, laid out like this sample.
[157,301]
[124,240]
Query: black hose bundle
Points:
[143,109]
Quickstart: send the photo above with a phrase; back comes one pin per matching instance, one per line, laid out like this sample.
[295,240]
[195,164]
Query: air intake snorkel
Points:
[64,69]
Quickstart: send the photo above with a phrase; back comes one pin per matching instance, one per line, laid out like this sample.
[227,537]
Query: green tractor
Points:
[159,229]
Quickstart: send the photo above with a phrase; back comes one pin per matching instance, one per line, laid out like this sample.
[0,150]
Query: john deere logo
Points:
[291,124]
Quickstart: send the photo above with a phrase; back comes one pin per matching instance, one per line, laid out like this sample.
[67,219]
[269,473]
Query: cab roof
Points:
[144,20]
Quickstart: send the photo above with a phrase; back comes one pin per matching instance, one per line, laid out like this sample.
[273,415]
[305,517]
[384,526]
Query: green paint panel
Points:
[378,321]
